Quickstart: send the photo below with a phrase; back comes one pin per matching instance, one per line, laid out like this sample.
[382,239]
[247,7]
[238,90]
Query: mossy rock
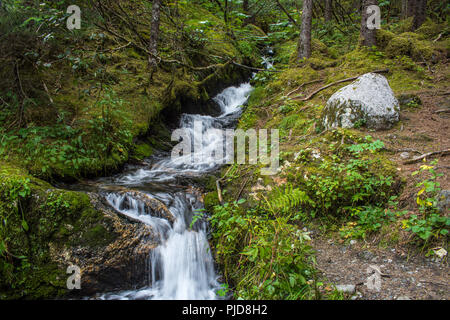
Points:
[319,46]
[47,229]
[384,37]
[399,46]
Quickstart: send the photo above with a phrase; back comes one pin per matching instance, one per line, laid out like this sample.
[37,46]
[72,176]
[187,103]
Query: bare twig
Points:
[437,39]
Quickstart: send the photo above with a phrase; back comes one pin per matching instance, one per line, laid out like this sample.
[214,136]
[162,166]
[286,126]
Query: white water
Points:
[201,160]
[182,266]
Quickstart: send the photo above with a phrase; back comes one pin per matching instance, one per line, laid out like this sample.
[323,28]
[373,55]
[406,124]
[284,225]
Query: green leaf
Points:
[25,225]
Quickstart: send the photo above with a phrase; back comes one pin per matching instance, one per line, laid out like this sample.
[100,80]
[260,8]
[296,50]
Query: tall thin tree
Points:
[304,41]
[154,37]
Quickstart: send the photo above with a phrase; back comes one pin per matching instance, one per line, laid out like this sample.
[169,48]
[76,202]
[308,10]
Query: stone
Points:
[441,253]
[346,288]
[120,264]
[405,155]
[403,298]
[368,101]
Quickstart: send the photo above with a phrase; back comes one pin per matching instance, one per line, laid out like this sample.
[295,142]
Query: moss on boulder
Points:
[47,229]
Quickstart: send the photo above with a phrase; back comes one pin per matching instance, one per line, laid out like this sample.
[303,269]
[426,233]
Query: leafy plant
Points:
[262,252]
[431,223]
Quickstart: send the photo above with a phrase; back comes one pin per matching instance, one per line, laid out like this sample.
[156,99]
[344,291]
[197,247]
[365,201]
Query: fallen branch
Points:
[442,111]
[304,84]
[403,150]
[337,82]
[429,154]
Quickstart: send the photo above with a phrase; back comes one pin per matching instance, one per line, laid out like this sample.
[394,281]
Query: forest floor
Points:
[409,274]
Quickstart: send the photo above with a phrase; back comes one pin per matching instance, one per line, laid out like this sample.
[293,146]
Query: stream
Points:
[182,266]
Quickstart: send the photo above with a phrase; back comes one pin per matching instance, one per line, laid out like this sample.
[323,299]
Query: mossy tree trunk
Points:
[154,36]
[304,44]
[367,35]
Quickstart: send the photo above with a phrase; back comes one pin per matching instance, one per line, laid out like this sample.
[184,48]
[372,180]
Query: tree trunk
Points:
[245,7]
[367,36]
[328,10]
[420,13]
[304,41]
[410,8]
[154,37]
[225,13]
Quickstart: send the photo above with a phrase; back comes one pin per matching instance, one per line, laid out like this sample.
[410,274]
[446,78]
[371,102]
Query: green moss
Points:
[51,215]
[142,151]
[399,46]
[404,25]
[210,200]
[97,236]
[320,64]
[384,37]
[430,29]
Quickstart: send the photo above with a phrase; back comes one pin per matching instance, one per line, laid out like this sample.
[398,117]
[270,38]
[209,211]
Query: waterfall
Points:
[182,266]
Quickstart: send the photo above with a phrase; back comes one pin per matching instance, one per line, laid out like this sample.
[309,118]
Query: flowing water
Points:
[182,266]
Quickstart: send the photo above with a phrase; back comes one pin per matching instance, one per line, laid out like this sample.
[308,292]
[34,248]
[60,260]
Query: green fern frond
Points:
[287,198]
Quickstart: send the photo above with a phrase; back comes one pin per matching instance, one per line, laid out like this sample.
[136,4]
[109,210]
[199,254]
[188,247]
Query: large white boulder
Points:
[368,101]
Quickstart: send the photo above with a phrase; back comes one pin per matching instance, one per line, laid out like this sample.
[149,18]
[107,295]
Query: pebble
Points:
[353,242]
[403,298]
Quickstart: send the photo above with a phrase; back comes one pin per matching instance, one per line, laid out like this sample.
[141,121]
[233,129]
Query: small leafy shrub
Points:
[432,224]
[369,219]
[262,252]
[341,185]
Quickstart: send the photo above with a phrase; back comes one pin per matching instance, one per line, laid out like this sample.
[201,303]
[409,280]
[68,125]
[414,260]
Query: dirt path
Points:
[414,277]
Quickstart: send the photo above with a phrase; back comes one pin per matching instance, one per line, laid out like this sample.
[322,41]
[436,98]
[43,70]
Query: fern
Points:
[288,198]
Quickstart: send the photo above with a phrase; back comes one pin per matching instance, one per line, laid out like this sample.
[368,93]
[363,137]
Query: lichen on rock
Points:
[368,101]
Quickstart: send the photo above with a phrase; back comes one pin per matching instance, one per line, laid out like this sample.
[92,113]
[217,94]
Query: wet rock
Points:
[346,288]
[369,101]
[119,263]
[152,206]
